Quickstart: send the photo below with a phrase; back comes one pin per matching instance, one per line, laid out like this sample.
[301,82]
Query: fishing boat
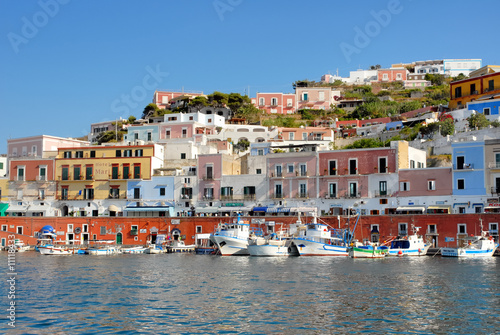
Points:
[368,251]
[317,239]
[273,245]
[101,251]
[47,244]
[203,245]
[134,250]
[412,245]
[232,238]
[476,246]
[180,246]
[19,246]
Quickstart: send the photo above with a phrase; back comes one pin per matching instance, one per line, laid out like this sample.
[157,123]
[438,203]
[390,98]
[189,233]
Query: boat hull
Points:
[467,253]
[102,252]
[313,248]
[356,252]
[229,246]
[267,250]
[48,250]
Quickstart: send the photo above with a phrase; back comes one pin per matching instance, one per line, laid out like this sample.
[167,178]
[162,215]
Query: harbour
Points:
[192,294]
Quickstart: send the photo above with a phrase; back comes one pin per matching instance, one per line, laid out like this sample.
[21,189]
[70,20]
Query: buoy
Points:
[419,250]
[400,253]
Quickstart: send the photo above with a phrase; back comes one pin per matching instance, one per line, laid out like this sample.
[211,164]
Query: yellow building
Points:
[102,172]
[483,82]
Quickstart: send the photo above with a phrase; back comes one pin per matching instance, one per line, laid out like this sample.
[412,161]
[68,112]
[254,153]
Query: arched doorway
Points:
[119,238]
[176,234]
[64,210]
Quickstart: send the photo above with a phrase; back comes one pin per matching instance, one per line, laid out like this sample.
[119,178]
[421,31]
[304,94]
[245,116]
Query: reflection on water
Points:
[192,294]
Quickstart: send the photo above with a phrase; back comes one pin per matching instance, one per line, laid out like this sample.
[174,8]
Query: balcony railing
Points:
[41,178]
[495,190]
[277,196]
[226,197]
[494,165]
[276,174]
[186,196]
[134,232]
[464,166]
[249,197]
[208,177]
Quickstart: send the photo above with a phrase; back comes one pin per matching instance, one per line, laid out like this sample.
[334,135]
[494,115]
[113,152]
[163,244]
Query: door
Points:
[119,238]
[85,238]
[460,162]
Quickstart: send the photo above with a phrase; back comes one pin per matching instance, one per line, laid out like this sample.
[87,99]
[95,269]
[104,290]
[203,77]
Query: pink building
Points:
[392,74]
[316,97]
[162,98]
[40,146]
[41,170]
[209,177]
[346,173]
[290,175]
[276,103]
[425,182]
[305,134]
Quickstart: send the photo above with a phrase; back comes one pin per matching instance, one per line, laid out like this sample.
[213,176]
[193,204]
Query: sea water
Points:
[198,294]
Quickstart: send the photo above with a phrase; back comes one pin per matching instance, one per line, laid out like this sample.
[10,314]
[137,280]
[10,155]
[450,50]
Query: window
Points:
[20,230]
[137,193]
[114,193]
[4,227]
[458,92]
[303,190]
[398,76]
[303,170]
[258,171]
[353,190]
[65,172]
[304,136]
[187,180]
[102,230]
[305,96]
[353,166]
[473,89]
[67,154]
[274,102]
[412,164]
[332,167]
[226,193]
[404,186]
[183,155]
[88,193]
[385,76]
[249,192]
[1,166]
[137,171]
[382,165]
[493,228]
[261,102]
[382,186]
[332,190]
[383,201]
[403,230]
[126,171]
[162,191]
[89,170]
[486,111]
[92,154]
[64,193]
[209,172]
[184,132]
[291,136]
[20,172]
[491,85]
[167,134]
[150,136]
[139,153]
[208,193]
[41,194]
[321,96]
[431,229]
[278,191]
[431,185]
[77,172]
[79,154]
[199,229]
[127,153]
[114,171]
[260,152]
[118,153]
[279,172]
[461,184]
[462,228]
[290,168]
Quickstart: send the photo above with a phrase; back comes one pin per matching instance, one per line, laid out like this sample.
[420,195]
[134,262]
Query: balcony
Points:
[208,197]
[134,232]
[466,167]
[249,197]
[186,196]
[277,196]
[41,178]
[495,190]
[494,165]
[208,177]
[276,174]
[303,195]
[301,174]
[226,198]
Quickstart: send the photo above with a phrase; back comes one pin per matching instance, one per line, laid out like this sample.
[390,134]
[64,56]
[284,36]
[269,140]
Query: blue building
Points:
[486,107]
[146,133]
[468,168]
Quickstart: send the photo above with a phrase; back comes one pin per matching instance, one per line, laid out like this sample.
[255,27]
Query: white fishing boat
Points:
[19,246]
[232,238]
[476,246]
[50,249]
[412,245]
[134,250]
[180,246]
[102,251]
[317,239]
[203,245]
[274,245]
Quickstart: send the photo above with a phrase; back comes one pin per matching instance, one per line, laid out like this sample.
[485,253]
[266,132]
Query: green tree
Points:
[110,136]
[131,119]
[365,143]
[218,99]
[235,101]
[447,127]
[249,112]
[149,111]
[460,76]
[435,79]
[242,145]
[478,121]
[198,103]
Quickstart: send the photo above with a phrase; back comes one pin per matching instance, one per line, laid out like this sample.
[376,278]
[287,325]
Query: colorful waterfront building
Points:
[316,97]
[93,180]
[483,83]
[276,103]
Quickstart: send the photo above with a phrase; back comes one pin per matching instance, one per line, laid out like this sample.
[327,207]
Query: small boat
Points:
[476,246]
[368,251]
[232,238]
[50,249]
[100,251]
[134,250]
[19,246]
[155,249]
[273,245]
[203,245]
[180,246]
[317,239]
[412,245]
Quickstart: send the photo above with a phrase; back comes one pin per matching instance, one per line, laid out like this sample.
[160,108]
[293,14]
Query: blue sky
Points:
[68,63]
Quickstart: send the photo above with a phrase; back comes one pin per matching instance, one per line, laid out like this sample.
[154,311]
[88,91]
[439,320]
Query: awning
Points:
[437,207]
[278,210]
[478,204]
[206,209]
[410,209]
[260,209]
[491,208]
[113,208]
[37,208]
[3,208]
[232,209]
[146,209]
[460,204]
[16,208]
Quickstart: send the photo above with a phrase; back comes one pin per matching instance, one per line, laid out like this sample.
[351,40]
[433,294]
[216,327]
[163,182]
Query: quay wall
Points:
[106,228]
